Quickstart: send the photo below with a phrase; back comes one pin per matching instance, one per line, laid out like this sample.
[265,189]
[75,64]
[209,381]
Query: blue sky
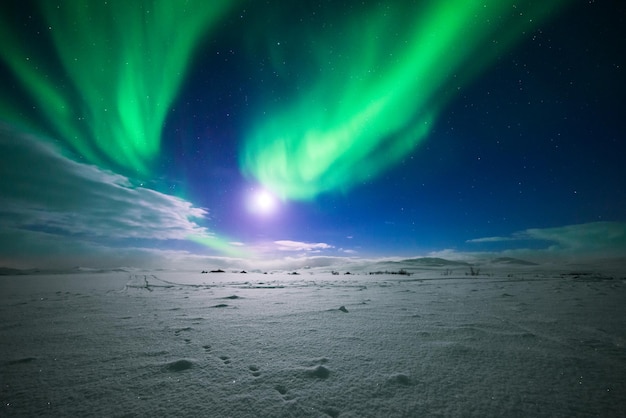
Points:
[524,159]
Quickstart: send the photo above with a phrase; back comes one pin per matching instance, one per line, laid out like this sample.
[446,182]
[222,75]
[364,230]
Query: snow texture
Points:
[433,343]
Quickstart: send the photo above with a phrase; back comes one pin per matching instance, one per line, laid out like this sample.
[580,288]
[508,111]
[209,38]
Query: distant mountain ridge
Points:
[433,262]
[7,271]
[423,262]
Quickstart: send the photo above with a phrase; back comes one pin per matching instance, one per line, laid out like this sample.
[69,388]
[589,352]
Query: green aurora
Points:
[122,65]
[383,77]
[103,77]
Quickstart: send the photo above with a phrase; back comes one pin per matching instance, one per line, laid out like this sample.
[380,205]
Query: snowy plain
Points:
[515,341]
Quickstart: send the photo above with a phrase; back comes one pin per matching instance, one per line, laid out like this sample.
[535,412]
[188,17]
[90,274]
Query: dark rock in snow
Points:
[319,372]
[179,365]
[332,412]
[343,309]
[400,379]
[20,361]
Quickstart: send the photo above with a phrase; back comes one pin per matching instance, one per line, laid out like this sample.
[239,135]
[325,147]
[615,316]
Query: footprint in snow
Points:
[281,389]
[255,370]
[178,331]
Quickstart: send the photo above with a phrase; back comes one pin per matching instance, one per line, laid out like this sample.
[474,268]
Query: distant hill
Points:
[80,269]
[420,263]
[432,262]
[516,261]
[5,271]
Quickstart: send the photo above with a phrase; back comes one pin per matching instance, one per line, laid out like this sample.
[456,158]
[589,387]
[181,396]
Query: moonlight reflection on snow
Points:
[525,343]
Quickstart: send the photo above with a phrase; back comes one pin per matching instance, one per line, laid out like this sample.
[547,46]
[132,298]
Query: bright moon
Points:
[263,202]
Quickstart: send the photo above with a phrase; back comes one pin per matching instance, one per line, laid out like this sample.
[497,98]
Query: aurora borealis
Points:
[117,68]
[371,129]
[381,90]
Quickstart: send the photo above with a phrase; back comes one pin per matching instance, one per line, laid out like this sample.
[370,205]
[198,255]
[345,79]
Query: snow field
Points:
[249,345]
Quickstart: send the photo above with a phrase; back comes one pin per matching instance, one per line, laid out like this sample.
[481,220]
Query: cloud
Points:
[595,236]
[286,245]
[347,251]
[490,239]
[48,200]
[589,239]
[50,192]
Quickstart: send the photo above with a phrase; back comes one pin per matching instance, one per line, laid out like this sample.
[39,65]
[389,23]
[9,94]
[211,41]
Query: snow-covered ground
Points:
[437,343]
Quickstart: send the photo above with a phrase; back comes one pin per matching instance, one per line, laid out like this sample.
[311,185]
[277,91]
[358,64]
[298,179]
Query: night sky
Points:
[278,134]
